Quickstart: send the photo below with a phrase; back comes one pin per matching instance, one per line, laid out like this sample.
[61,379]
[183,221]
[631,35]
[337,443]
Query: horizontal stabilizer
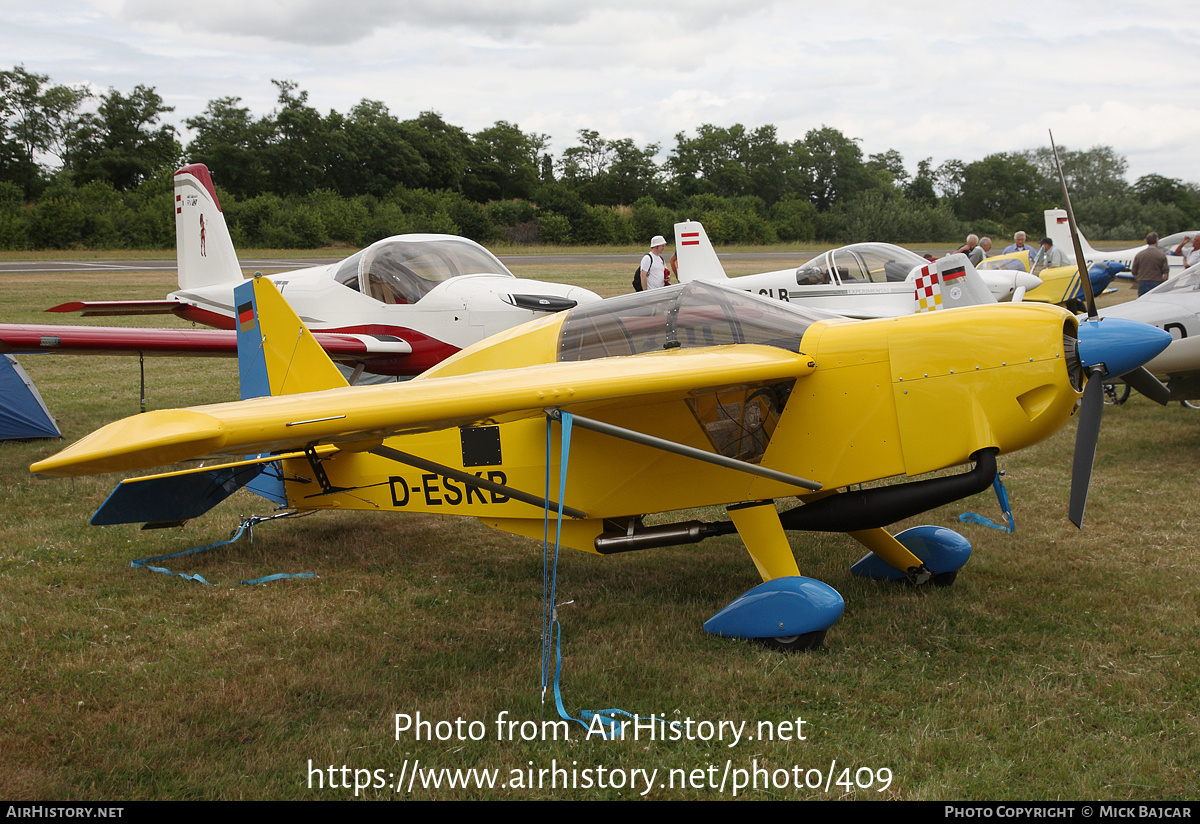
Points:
[121,340]
[173,498]
[114,308]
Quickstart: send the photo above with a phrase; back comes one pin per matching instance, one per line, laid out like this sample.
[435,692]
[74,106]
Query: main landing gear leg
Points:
[919,555]
[760,530]
[894,553]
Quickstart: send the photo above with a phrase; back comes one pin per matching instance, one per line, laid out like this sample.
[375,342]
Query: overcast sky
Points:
[941,79]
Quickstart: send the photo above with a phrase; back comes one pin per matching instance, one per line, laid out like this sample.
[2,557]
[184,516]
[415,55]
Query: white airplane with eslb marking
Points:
[397,307]
[1174,307]
[864,280]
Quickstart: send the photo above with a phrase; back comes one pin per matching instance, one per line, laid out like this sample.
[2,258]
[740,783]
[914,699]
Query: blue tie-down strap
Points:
[246,527]
[1009,525]
[602,722]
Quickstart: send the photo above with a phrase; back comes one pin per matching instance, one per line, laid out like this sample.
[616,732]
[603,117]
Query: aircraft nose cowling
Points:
[1026,280]
[1120,345]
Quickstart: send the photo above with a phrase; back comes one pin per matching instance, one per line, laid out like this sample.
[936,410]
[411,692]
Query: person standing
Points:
[1150,267]
[653,269]
[1018,245]
[1193,255]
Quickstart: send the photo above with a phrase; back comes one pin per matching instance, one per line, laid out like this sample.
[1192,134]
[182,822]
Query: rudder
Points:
[277,355]
[697,258]
[203,247]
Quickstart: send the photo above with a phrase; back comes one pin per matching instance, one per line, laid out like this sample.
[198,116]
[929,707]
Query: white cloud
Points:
[958,80]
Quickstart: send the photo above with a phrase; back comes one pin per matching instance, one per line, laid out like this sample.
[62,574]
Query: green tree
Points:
[920,190]
[1097,172]
[503,163]
[296,154]
[1001,187]
[36,118]
[833,166]
[443,149]
[734,162]
[890,163]
[123,143]
[379,154]
[233,145]
[609,173]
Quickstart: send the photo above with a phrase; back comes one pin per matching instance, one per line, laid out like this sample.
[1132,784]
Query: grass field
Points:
[1061,665]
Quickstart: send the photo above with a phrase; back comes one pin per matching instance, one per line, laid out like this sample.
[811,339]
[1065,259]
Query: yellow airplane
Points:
[1062,285]
[681,397]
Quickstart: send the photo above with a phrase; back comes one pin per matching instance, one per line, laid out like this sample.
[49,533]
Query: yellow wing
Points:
[365,415]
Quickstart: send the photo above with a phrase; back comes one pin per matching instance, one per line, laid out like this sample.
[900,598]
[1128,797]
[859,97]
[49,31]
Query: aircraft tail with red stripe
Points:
[697,258]
[202,243]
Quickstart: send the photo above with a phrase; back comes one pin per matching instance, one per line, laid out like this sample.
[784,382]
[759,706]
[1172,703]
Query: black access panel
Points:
[480,446]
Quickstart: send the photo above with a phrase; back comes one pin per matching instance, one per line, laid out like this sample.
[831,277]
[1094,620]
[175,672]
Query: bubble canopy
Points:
[689,316]
[1188,281]
[404,269]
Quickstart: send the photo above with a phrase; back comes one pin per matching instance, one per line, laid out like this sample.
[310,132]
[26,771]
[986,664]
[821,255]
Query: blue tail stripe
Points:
[253,381]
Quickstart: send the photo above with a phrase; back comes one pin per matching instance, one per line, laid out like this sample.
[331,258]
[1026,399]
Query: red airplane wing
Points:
[18,338]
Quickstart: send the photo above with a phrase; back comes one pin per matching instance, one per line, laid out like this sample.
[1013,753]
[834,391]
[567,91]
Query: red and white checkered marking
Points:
[928,292]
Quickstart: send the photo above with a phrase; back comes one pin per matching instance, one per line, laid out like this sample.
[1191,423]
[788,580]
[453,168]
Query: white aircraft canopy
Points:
[1169,242]
[860,263]
[1188,281]
[688,316]
[404,270]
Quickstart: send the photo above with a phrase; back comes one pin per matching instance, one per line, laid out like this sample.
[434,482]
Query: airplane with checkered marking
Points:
[695,395]
[863,280]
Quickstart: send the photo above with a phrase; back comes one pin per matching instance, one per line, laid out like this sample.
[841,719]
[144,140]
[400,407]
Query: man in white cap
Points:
[653,269]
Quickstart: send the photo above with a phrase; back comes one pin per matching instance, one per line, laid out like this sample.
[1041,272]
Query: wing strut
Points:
[474,480]
[687,451]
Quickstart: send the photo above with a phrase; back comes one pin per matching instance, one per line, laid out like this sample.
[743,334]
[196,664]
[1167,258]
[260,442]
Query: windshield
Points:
[1168,243]
[400,270]
[1186,281]
[1004,263]
[692,315]
[860,263]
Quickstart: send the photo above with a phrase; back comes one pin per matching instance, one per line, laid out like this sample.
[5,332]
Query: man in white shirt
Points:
[653,267]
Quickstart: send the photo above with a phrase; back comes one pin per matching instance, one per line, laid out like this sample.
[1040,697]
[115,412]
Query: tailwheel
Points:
[795,643]
[1115,395]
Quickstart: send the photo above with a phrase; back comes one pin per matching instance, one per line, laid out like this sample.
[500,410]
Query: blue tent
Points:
[23,413]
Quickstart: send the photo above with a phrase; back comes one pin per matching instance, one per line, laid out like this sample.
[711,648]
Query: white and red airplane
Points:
[1057,230]
[397,307]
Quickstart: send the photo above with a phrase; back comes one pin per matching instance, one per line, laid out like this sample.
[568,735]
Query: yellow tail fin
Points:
[277,355]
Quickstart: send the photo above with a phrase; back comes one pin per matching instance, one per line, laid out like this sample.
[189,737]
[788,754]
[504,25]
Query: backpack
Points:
[637,273]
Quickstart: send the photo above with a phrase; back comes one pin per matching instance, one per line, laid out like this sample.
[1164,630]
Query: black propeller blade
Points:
[1143,381]
[1086,438]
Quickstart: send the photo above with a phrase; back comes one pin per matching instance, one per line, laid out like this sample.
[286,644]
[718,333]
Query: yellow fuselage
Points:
[899,396]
